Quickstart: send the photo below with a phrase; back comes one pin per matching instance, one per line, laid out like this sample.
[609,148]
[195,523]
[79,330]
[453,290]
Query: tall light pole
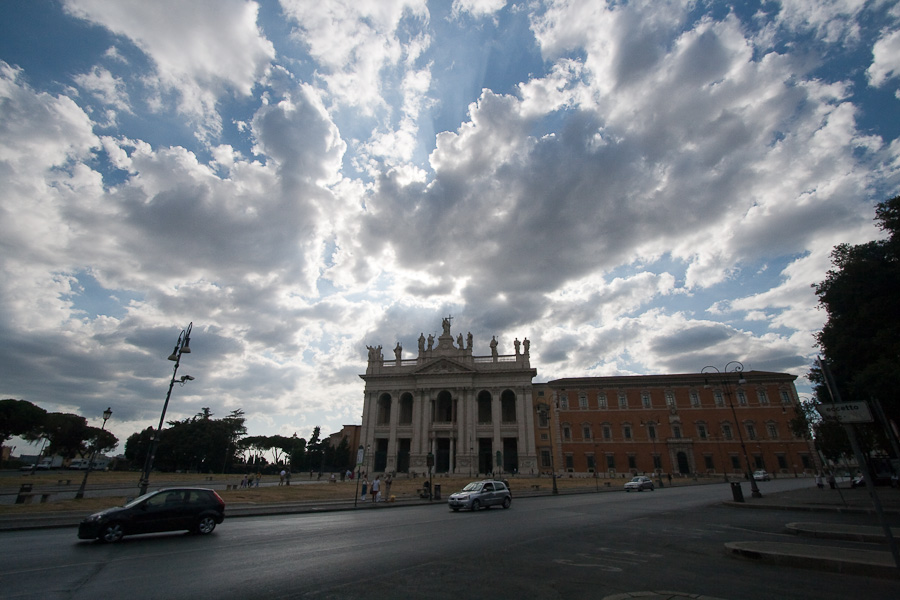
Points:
[735,367]
[80,494]
[182,346]
[544,410]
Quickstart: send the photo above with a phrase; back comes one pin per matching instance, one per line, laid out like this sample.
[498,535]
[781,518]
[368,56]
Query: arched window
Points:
[384,410]
[484,407]
[443,408]
[508,406]
[406,409]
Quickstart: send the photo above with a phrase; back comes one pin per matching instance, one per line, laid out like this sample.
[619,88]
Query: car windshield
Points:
[638,479]
[140,499]
[473,487]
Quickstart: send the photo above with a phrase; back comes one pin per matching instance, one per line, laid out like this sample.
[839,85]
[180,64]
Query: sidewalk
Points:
[877,562]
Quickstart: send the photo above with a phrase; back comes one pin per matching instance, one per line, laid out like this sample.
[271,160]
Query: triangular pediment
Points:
[443,365]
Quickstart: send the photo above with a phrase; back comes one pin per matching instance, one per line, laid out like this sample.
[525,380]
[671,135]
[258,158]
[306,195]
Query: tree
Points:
[19,417]
[66,434]
[861,293]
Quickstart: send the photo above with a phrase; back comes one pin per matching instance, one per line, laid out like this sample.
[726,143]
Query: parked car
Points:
[639,483]
[761,475]
[485,493]
[198,510]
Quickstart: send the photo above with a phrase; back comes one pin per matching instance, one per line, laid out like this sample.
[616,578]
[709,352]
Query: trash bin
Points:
[736,491]
[24,494]
[437,491]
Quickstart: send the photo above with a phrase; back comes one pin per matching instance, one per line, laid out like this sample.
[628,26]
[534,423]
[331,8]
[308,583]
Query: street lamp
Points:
[182,346]
[544,410]
[737,367]
[80,494]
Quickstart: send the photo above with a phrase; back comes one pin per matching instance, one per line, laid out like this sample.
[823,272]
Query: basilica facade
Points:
[466,414]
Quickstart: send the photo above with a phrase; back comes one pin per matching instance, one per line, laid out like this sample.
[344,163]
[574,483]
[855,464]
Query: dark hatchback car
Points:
[198,510]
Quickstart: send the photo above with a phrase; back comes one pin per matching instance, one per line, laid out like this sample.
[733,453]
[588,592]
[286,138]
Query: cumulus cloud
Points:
[202,50]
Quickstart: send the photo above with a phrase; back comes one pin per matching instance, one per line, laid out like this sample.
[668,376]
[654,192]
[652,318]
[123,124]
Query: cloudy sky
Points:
[636,187]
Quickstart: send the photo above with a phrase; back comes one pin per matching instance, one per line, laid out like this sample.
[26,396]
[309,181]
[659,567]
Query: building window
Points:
[632,462]
[807,462]
[701,431]
[645,399]
[695,399]
[545,458]
[611,462]
[763,397]
[570,463]
[760,463]
[782,461]
[591,465]
[623,400]
[708,461]
[545,436]
[735,462]
[785,397]
[586,431]
[567,432]
[772,430]
[508,406]
[676,431]
[541,393]
[726,431]
[626,431]
[657,462]
[651,431]
[720,400]
[607,432]
[670,399]
[543,419]
[742,398]
[601,400]
[751,431]
[582,401]
[563,402]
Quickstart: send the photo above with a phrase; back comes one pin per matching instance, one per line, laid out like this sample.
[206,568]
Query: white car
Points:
[639,483]
[761,475]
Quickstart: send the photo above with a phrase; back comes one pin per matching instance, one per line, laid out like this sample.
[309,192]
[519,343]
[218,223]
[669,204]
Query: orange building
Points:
[702,423]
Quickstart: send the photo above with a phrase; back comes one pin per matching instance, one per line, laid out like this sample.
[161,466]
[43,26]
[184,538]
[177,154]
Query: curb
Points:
[823,558]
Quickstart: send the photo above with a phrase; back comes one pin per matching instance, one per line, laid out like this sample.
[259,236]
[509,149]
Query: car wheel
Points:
[652,488]
[112,533]
[506,502]
[205,525]
[475,505]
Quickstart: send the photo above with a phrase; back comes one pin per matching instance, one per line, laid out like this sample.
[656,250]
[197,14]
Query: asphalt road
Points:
[579,546]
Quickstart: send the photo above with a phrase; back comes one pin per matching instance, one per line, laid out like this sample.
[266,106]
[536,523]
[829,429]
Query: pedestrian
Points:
[349,474]
[832,483]
[365,487]
[244,481]
[258,477]
[281,477]
[287,477]
[387,486]
[333,478]
[376,487]
[819,483]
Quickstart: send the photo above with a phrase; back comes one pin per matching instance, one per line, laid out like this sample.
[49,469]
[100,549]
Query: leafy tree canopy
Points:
[861,295]
[19,417]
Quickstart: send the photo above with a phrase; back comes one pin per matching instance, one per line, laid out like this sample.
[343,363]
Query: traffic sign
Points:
[846,412]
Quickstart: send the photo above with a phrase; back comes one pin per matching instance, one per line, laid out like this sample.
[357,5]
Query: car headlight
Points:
[93,518]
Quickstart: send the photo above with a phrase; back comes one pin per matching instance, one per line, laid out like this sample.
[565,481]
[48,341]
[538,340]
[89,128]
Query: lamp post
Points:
[80,494]
[544,410]
[736,367]
[182,346]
